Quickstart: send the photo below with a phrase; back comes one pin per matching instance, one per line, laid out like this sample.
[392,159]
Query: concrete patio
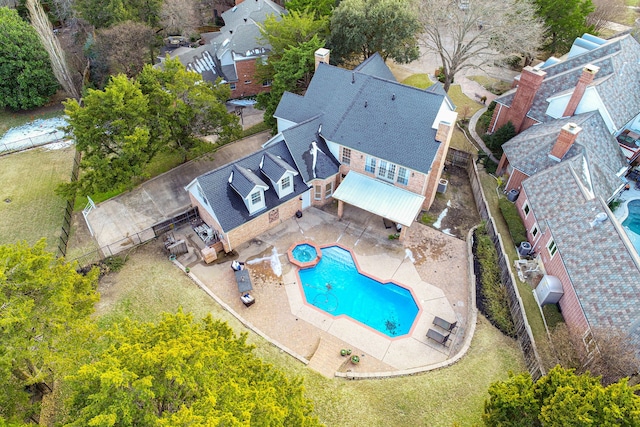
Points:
[433,265]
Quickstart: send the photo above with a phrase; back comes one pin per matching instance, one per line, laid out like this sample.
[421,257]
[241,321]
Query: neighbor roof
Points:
[599,259]
[371,114]
[617,82]
[230,210]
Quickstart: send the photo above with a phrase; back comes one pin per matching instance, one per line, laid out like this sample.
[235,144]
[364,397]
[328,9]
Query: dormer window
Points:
[286,182]
[256,198]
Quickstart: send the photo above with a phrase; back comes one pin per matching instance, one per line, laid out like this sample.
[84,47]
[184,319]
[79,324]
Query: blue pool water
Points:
[304,253]
[631,224]
[334,285]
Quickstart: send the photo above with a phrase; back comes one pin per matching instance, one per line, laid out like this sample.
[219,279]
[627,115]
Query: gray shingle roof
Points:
[375,66]
[376,116]
[273,167]
[617,82]
[599,262]
[227,204]
[595,153]
[301,140]
[244,180]
[240,34]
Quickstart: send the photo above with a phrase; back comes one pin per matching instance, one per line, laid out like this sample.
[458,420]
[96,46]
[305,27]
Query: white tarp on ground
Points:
[37,132]
[378,197]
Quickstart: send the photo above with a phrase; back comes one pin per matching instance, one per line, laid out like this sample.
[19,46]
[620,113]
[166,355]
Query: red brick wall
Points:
[246,70]
[515,180]
[569,303]
[263,222]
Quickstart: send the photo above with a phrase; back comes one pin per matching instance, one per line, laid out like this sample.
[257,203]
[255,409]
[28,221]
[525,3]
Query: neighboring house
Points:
[232,53]
[567,164]
[357,136]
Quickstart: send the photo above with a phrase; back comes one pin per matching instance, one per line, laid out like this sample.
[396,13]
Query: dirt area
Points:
[461,213]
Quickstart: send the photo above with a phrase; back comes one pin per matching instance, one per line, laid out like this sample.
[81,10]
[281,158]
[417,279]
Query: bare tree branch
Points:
[483,32]
[605,11]
[44,29]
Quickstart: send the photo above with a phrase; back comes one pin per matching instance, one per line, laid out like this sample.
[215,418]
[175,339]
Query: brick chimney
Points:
[321,55]
[588,73]
[565,140]
[530,81]
[443,131]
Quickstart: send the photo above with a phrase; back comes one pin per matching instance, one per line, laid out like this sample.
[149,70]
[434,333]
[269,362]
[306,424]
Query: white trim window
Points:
[317,192]
[346,156]
[552,248]
[534,231]
[382,169]
[370,166]
[232,86]
[328,191]
[403,176]
[286,182]
[526,209]
[256,198]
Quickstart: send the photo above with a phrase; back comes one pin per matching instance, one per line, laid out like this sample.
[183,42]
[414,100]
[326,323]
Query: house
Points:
[356,136]
[566,164]
[232,53]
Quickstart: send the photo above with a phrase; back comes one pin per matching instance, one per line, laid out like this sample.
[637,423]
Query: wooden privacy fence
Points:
[68,211]
[523,331]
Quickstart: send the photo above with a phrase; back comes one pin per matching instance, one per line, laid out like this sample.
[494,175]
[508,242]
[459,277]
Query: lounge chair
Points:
[438,337]
[438,321]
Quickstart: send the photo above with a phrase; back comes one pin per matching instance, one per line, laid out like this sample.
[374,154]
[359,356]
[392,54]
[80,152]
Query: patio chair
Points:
[438,337]
[438,321]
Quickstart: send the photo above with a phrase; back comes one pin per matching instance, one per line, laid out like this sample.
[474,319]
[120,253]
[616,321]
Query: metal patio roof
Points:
[380,198]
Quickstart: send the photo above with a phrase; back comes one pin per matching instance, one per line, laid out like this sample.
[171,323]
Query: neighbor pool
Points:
[336,286]
[631,224]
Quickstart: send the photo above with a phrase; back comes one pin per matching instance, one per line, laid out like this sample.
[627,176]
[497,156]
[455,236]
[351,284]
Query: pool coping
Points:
[415,298]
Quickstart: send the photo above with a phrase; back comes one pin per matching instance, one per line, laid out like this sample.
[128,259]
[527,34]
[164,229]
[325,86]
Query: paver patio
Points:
[439,279]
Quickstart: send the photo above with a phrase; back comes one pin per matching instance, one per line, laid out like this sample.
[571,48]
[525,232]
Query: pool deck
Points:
[434,265]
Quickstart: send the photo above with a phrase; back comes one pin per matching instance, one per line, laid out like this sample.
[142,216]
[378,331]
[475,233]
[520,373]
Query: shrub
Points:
[494,302]
[489,165]
[511,217]
[502,135]
[440,75]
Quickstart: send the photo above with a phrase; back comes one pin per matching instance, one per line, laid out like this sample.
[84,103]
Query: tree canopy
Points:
[180,372]
[120,129]
[318,7]
[360,28]
[483,33]
[293,38]
[44,309]
[561,398]
[102,14]
[564,22]
[26,78]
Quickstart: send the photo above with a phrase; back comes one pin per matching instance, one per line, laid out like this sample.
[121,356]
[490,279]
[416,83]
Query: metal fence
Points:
[31,142]
[523,331]
[136,239]
[68,211]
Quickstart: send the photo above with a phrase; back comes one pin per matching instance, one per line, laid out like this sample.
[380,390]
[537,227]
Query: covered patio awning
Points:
[378,197]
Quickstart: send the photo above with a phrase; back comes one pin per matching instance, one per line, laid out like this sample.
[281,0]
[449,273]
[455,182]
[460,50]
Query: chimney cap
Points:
[590,68]
[572,128]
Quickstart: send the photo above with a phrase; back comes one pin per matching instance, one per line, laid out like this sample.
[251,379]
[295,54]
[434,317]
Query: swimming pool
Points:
[631,224]
[335,286]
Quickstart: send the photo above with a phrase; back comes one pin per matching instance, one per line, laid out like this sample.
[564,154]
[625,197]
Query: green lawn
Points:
[29,207]
[149,284]
[421,81]
[494,86]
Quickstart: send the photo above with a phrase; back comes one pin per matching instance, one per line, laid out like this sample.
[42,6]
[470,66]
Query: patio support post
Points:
[403,233]
[340,208]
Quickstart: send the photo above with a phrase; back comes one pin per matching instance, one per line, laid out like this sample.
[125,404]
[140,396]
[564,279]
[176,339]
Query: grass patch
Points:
[462,102]
[427,218]
[530,306]
[514,222]
[260,127]
[495,86]
[10,119]
[148,284]
[421,81]
[460,142]
[29,179]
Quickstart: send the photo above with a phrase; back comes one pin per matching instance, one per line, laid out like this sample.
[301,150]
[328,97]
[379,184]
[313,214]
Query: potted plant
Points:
[355,359]
[345,352]
[187,269]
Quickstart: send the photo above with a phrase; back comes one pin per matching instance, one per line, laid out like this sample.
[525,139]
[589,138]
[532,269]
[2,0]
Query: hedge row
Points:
[495,300]
[513,220]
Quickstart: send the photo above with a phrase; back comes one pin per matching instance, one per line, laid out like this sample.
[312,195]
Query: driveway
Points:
[117,222]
